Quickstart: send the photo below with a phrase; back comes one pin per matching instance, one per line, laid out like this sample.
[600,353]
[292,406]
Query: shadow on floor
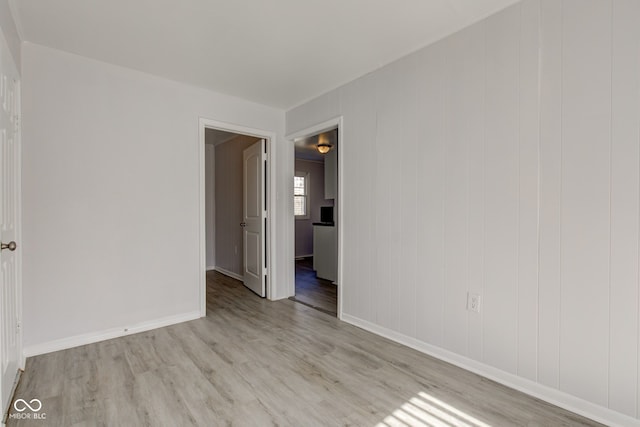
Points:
[314,292]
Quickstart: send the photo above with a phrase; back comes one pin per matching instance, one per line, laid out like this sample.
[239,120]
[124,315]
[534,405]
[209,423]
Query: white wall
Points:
[111,194]
[503,160]
[228,193]
[210,212]
[8,28]
[223,165]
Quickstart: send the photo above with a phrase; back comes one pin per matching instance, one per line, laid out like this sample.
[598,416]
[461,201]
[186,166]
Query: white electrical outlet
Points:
[473,302]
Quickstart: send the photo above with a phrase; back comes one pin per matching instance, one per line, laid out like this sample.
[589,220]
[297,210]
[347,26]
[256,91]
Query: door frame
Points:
[336,122]
[270,232]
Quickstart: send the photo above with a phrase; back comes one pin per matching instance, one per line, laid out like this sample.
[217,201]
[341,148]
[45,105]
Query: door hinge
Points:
[18,326]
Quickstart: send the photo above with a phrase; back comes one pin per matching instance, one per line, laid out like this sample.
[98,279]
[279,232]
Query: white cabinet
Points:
[331,174]
[325,249]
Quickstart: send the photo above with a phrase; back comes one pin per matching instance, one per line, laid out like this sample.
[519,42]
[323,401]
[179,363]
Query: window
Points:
[301,195]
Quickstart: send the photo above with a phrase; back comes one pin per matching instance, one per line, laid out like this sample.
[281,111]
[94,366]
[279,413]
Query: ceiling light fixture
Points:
[324,148]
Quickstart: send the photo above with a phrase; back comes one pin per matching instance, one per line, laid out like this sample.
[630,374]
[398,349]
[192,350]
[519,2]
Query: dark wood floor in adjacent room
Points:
[310,290]
[253,362]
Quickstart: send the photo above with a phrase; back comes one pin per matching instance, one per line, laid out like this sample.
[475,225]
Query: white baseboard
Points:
[93,337]
[229,273]
[209,268]
[548,394]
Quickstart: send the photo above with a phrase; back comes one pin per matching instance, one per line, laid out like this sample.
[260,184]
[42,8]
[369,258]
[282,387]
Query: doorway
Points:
[235,224]
[316,228]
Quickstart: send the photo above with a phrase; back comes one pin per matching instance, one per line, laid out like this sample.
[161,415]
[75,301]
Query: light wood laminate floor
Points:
[256,363]
[315,292]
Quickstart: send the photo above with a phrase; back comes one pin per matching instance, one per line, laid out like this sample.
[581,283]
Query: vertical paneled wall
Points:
[550,194]
[528,315]
[503,161]
[585,208]
[625,134]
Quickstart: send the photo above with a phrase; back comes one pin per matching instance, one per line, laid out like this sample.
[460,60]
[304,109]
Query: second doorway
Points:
[316,237]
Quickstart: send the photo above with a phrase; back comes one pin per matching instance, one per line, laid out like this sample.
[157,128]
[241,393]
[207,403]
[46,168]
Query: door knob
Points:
[11,246]
[243,224]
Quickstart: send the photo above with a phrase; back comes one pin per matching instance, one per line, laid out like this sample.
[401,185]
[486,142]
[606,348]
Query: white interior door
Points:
[254,214]
[10,345]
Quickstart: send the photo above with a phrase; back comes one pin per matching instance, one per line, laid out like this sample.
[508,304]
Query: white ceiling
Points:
[217,137]
[307,148]
[276,52]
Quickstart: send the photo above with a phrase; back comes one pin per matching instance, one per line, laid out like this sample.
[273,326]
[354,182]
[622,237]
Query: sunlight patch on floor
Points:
[426,410]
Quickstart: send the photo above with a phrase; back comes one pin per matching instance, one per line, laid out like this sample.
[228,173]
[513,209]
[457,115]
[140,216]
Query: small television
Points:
[326,214]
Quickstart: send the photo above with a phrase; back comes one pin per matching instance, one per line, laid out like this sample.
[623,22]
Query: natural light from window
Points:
[300,195]
[426,410]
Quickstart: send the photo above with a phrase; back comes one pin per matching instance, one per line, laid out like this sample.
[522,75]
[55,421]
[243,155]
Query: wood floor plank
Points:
[252,362]
[312,291]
